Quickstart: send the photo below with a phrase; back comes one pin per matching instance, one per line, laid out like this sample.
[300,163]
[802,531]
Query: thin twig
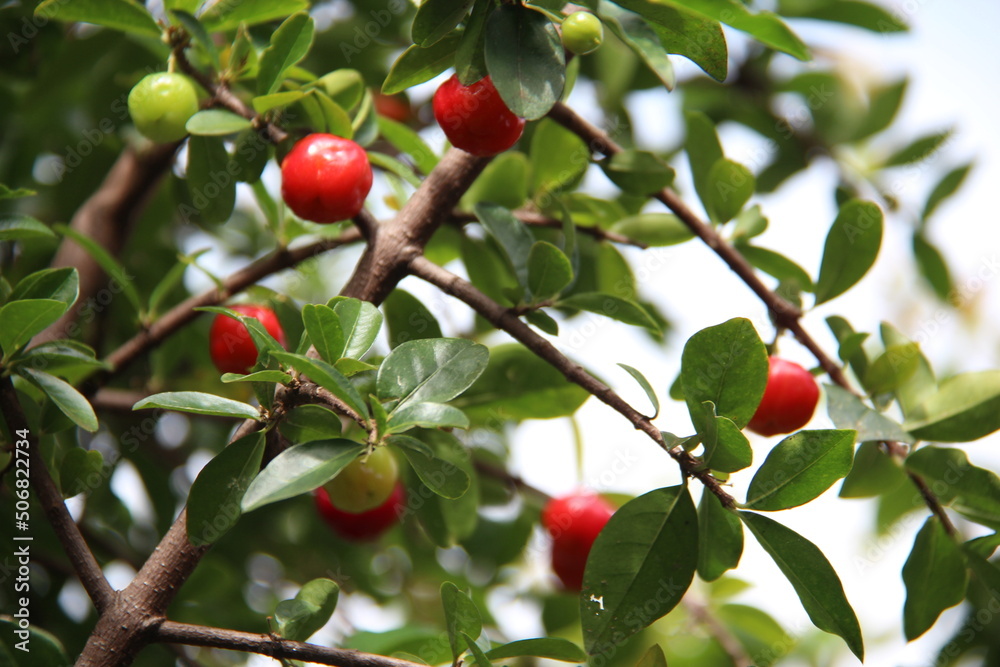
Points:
[729,643]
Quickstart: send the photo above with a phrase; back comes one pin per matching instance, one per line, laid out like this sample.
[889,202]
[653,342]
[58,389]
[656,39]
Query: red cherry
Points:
[229,343]
[393,106]
[474,118]
[574,521]
[789,399]
[364,525]
[325,178]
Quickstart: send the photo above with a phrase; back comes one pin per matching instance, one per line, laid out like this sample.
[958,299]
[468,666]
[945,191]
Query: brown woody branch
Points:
[506,320]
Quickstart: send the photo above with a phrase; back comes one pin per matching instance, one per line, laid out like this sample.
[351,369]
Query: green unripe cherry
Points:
[365,483]
[161,104]
[582,33]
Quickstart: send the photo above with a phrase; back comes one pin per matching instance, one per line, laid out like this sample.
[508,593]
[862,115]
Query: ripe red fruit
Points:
[395,107]
[363,525]
[229,343]
[325,178]
[474,118]
[574,521]
[789,399]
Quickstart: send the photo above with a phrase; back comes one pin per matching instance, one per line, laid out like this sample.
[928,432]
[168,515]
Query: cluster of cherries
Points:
[325,179]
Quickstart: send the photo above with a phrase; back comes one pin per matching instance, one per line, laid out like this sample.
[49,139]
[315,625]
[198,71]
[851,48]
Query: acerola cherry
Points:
[365,483]
[160,105]
[363,525]
[789,399]
[582,33]
[325,178]
[574,521]
[229,343]
[474,118]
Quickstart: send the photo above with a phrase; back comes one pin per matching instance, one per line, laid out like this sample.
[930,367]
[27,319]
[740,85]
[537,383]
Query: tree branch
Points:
[275,647]
[80,555]
[505,320]
[729,643]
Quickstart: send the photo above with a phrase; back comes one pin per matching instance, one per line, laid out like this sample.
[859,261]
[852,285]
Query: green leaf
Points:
[124,15]
[23,319]
[852,245]
[800,468]
[327,377]
[918,149]
[730,186]
[310,609]
[964,408]
[430,370]
[542,321]
[212,188]
[851,12]
[111,266]
[228,15]
[216,123]
[346,87]
[195,29]
[461,617]
[892,368]
[765,27]
[758,632]
[970,490]
[45,649]
[872,474]
[727,365]
[637,172]
[653,657]
[17,193]
[23,228]
[525,60]
[720,538]
[813,578]
[703,150]
[646,387]
[512,235]
[946,187]
[439,475]
[935,578]
[60,356]
[259,376]
[360,321]
[310,422]
[478,657]
[470,59]
[517,385]
[777,266]
[264,103]
[685,33]
[417,65]
[551,648]
[340,124]
[323,327]
[644,559]
[289,44]
[726,448]
[635,33]
[654,229]
[920,384]
[300,469]
[883,105]
[847,411]
[933,266]
[198,403]
[446,521]
[549,271]
[58,284]
[79,470]
[559,159]
[611,306]
[409,142]
[394,166]
[407,318]
[62,394]
[427,415]
[437,18]
[213,505]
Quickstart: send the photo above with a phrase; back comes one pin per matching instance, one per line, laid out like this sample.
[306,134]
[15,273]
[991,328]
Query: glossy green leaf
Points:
[945,188]
[764,26]
[720,538]
[883,105]
[517,385]
[892,368]
[259,376]
[61,356]
[921,383]
[935,578]
[932,266]
[124,15]
[987,573]
[654,229]
[872,474]
[407,318]
[865,15]
[645,558]
[703,150]
[525,60]
[550,648]
[965,407]
[461,617]
[653,657]
[685,33]
[228,15]
[57,284]
[917,150]
[637,172]
[813,578]
[360,321]
[336,120]
[726,448]
[327,377]
[611,306]
[850,341]
[800,468]
[213,505]
[300,469]
[446,521]
[430,370]
[512,235]
[549,271]
[852,245]
[310,422]
[440,476]
[264,103]
[437,18]
[427,415]
[504,182]
[727,365]
[559,159]
[478,657]
[777,266]
[198,403]
[216,123]
[79,470]
[344,86]
[323,327]
[730,186]
[310,609]
[125,281]
[417,65]
[212,189]
[635,33]
[646,387]
[290,43]
[23,228]
[470,58]
[62,394]
[969,489]
[23,319]
[409,142]
[542,321]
